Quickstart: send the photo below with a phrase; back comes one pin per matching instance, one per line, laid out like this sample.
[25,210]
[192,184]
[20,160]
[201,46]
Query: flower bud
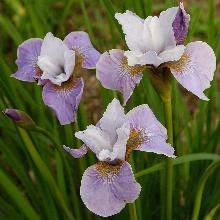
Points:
[20,118]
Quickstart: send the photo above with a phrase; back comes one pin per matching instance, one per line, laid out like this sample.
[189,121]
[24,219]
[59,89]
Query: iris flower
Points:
[109,185]
[157,43]
[54,64]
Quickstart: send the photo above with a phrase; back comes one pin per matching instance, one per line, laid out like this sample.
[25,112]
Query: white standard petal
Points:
[94,138]
[56,60]
[119,148]
[133,27]
[69,62]
[54,48]
[112,119]
[166,19]
[172,54]
[153,35]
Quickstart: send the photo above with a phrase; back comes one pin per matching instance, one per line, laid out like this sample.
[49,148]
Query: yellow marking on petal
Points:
[108,170]
[66,86]
[132,70]
[179,65]
[136,138]
[80,57]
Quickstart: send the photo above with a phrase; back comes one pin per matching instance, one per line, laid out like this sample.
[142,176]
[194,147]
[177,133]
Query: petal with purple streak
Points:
[196,68]
[64,99]
[106,189]
[147,133]
[114,73]
[27,55]
[76,153]
[79,41]
[181,24]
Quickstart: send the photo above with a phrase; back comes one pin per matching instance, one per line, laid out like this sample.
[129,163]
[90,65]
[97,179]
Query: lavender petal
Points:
[106,194]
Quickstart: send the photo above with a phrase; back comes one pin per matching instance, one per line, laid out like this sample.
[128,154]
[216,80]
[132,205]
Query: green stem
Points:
[169,173]
[201,187]
[132,206]
[132,211]
[161,80]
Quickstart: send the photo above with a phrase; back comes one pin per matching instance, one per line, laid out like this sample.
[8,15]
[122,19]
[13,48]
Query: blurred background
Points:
[37,181]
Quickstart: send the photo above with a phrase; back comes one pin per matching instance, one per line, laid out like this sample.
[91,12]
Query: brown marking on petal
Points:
[136,138]
[66,86]
[106,169]
[80,57]
[179,65]
[132,70]
[38,73]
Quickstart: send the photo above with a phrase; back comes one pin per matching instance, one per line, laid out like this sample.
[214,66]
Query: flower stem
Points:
[132,211]
[162,81]
[132,206]
[169,174]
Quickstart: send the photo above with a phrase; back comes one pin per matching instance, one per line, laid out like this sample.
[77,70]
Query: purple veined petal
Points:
[77,153]
[27,55]
[114,73]
[147,133]
[181,24]
[157,145]
[79,41]
[64,99]
[143,118]
[106,189]
[196,68]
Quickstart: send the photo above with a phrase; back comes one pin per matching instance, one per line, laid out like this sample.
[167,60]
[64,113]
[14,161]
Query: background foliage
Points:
[40,181]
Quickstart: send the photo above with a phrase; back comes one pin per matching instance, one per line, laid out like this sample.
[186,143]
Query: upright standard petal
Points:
[133,27]
[27,56]
[96,139]
[166,20]
[86,54]
[181,24]
[64,99]
[196,68]
[113,71]
[76,153]
[112,119]
[147,133]
[56,61]
[106,189]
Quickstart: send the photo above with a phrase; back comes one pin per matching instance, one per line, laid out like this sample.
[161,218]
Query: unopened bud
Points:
[20,118]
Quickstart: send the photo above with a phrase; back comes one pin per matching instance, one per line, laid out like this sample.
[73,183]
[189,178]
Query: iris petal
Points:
[106,189]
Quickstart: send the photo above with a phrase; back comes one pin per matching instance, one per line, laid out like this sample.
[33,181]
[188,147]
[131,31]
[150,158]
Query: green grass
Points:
[40,181]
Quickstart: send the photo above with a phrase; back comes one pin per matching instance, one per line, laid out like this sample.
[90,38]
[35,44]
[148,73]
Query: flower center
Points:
[67,85]
[79,57]
[179,65]
[132,70]
[108,170]
[136,138]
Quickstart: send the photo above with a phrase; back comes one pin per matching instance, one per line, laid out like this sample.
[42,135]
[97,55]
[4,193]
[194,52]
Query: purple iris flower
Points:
[157,43]
[109,185]
[55,65]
